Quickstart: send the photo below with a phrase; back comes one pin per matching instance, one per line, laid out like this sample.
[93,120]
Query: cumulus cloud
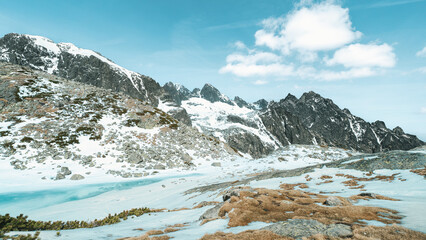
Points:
[318,27]
[421,53]
[364,55]
[256,64]
[303,37]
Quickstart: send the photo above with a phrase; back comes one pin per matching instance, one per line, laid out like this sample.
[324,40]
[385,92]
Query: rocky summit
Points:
[255,129]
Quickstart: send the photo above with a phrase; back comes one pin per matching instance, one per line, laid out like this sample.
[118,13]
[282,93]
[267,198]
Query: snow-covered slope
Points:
[64,129]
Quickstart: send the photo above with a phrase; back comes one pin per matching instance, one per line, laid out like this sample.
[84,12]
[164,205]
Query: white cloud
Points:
[318,27]
[240,45]
[249,70]
[256,58]
[321,27]
[423,110]
[327,75]
[421,53]
[260,82]
[303,37]
[364,55]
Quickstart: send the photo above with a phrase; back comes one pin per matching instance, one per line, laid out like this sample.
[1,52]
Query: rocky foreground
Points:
[299,211]
[76,129]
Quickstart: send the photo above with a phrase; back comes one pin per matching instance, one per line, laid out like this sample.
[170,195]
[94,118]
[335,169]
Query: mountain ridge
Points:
[256,128]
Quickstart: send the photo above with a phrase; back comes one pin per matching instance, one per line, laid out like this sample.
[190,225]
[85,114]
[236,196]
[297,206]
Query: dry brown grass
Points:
[393,232]
[378,196]
[246,235]
[154,232]
[288,186]
[279,205]
[325,182]
[421,172]
[178,225]
[146,237]
[323,177]
[170,229]
[179,209]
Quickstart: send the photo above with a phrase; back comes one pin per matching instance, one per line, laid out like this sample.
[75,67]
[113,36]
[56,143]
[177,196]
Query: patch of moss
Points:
[118,110]
[64,139]
[4,133]
[27,139]
[132,122]
[22,223]
[9,145]
[89,131]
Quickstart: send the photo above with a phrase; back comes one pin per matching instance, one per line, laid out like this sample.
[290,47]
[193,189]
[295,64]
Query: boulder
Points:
[299,228]
[76,177]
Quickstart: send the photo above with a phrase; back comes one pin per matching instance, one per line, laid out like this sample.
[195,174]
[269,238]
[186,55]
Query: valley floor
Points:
[306,175]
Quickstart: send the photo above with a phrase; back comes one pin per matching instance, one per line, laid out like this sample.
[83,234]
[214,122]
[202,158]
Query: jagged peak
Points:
[398,130]
[380,124]
[212,94]
[240,102]
[261,104]
[310,95]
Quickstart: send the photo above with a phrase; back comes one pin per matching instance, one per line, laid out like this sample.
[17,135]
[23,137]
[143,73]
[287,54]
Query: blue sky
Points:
[365,55]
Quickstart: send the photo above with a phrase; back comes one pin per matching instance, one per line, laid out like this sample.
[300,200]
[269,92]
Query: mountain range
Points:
[254,129]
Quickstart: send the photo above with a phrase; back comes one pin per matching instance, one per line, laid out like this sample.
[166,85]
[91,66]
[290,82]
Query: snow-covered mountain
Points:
[261,127]
[256,129]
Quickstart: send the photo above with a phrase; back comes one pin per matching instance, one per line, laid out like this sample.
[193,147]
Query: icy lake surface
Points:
[15,203]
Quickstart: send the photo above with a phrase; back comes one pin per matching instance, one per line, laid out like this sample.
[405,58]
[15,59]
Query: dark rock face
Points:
[248,143]
[237,119]
[313,116]
[261,104]
[181,115]
[23,50]
[212,94]
[286,127]
[177,93]
[241,103]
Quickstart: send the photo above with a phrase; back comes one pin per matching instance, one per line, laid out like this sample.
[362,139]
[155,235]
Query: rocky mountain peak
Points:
[380,124]
[310,96]
[241,102]
[261,104]
[398,130]
[177,93]
[212,94]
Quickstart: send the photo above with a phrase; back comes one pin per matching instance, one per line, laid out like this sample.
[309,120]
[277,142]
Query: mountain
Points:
[255,129]
[71,127]
[73,63]
[262,127]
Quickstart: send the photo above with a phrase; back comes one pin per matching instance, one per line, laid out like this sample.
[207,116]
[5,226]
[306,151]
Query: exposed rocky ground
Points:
[46,119]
